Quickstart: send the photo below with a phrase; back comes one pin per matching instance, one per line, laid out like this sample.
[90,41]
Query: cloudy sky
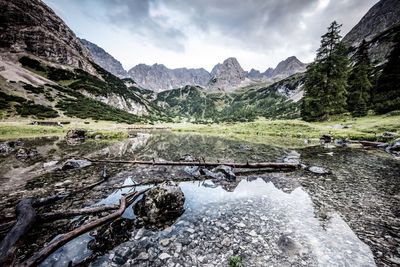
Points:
[201,33]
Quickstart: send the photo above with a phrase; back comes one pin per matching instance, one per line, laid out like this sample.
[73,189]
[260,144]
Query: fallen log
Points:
[38,257]
[274,165]
[26,216]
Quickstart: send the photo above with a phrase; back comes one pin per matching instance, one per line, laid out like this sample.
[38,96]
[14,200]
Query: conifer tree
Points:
[359,84]
[326,78]
[387,92]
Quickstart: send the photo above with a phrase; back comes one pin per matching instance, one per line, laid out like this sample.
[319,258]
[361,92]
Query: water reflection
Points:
[255,215]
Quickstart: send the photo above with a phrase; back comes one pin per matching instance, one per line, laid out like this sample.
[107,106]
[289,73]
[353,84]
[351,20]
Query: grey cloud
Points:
[135,16]
[257,25]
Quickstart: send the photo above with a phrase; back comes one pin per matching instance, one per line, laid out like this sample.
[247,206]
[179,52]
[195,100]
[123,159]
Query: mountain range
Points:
[227,75]
[46,72]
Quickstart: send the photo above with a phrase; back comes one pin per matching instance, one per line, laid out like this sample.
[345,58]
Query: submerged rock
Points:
[288,245]
[27,153]
[161,205]
[318,170]
[76,164]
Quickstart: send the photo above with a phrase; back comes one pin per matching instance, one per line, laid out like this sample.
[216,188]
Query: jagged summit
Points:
[158,77]
[227,75]
[284,69]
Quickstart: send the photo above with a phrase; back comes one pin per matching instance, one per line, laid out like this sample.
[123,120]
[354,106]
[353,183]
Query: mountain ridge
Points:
[104,59]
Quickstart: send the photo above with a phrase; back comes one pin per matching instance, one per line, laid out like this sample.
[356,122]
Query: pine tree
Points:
[326,78]
[387,91]
[359,83]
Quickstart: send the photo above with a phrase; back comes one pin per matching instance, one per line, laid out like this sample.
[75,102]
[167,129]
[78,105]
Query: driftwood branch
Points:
[26,216]
[274,165]
[38,257]
[74,212]
[62,214]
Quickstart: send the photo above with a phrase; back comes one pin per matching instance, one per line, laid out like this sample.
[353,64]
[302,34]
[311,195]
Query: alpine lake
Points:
[348,216]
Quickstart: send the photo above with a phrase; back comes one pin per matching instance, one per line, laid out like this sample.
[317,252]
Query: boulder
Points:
[395,146]
[389,135]
[76,134]
[192,170]
[9,146]
[27,153]
[326,138]
[224,172]
[161,205]
[76,164]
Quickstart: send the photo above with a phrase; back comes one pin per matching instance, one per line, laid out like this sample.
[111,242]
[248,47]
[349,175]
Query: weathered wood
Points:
[38,257]
[74,212]
[26,216]
[274,165]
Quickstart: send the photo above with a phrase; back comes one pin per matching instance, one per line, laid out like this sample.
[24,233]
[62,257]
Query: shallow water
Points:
[253,218]
[290,219]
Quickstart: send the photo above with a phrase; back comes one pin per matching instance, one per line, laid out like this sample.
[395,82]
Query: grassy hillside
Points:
[196,104]
[67,98]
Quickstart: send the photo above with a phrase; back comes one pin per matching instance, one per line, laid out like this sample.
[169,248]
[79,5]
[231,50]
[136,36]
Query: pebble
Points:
[164,256]
[139,234]
[143,256]
[226,242]
[241,225]
[253,233]
[165,242]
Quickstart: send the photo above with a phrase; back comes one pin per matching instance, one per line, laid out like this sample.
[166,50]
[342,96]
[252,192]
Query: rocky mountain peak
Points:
[288,67]
[227,75]
[229,64]
[104,59]
[30,26]
[382,16]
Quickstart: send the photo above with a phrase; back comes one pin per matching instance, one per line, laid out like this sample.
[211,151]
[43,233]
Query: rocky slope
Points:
[382,16]
[378,27]
[46,72]
[159,78]
[104,59]
[29,26]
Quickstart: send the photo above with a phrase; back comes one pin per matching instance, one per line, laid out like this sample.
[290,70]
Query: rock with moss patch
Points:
[161,205]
